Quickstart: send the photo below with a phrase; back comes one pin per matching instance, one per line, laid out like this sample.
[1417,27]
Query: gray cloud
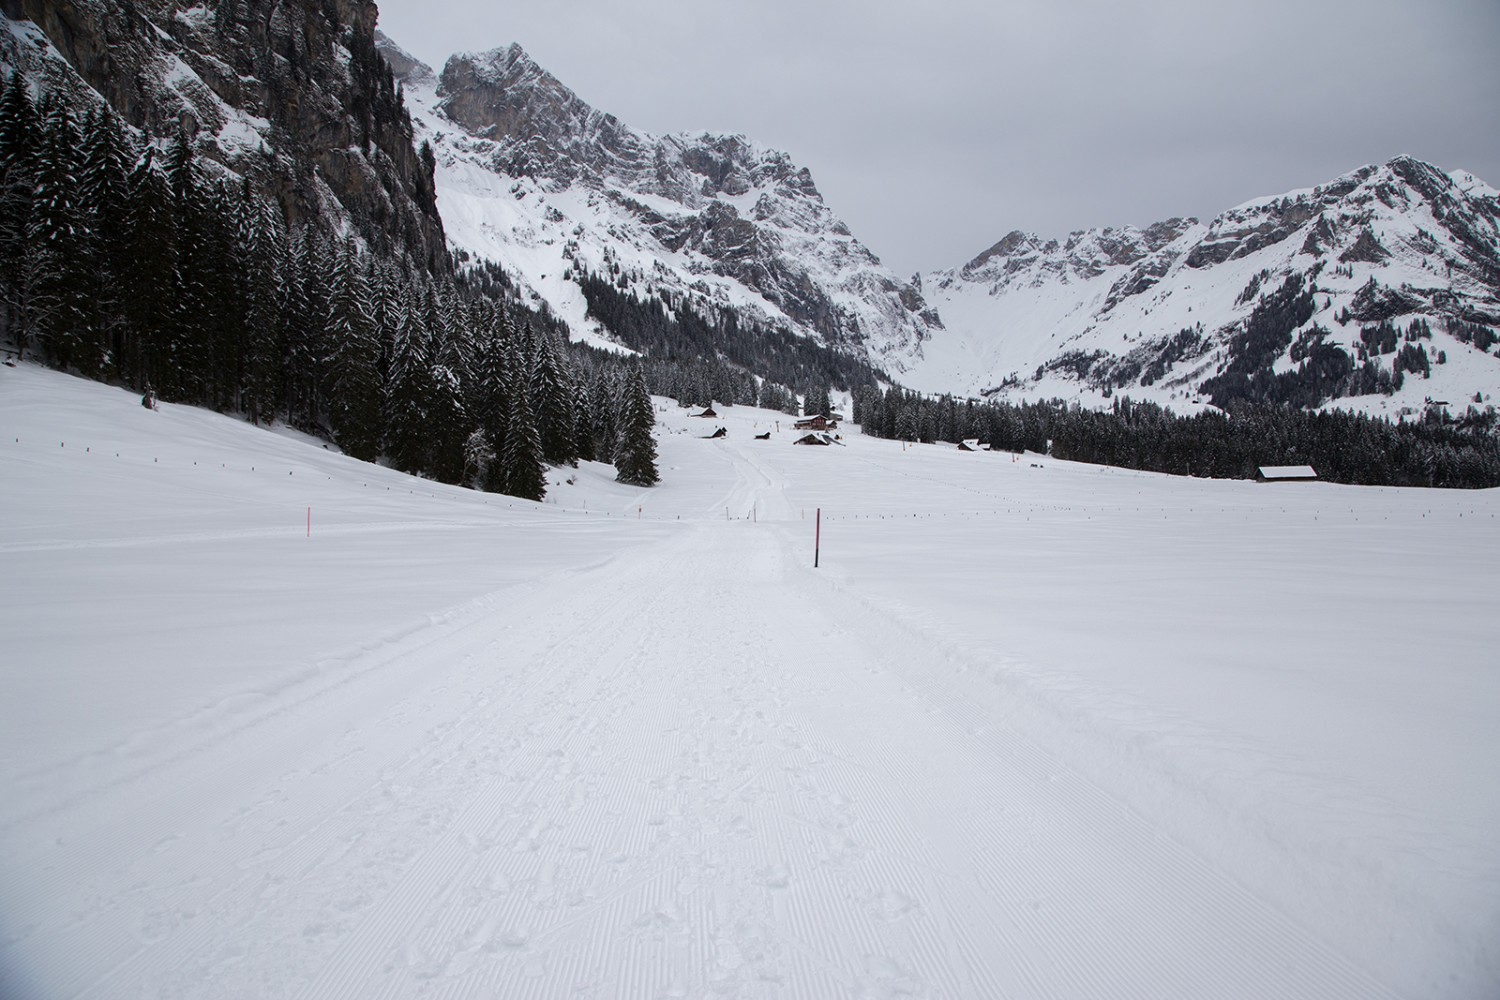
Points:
[935,128]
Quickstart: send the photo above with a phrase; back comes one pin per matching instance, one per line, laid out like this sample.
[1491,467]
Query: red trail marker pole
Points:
[817,536]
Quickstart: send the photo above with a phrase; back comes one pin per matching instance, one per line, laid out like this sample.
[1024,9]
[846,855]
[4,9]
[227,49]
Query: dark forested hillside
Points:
[137,259]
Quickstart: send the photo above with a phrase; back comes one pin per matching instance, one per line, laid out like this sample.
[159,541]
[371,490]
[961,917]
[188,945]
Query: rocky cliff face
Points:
[531,175]
[290,93]
[1159,312]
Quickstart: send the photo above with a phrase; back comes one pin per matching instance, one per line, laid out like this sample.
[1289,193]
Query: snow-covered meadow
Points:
[1030,729]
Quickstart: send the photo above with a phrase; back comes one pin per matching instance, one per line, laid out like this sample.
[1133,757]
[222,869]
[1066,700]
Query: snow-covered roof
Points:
[1288,472]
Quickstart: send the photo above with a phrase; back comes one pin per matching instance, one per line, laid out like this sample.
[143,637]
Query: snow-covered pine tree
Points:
[61,290]
[490,395]
[479,455]
[448,426]
[815,400]
[104,193]
[187,337]
[583,423]
[263,393]
[605,419]
[406,393]
[635,455]
[551,400]
[523,471]
[20,144]
[354,384]
[385,305]
[294,315]
[225,310]
[149,273]
[315,342]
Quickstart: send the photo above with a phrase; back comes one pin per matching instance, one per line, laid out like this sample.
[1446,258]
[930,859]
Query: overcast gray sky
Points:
[934,128]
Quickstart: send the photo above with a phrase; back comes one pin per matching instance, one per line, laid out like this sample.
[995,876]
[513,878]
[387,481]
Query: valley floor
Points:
[280,724]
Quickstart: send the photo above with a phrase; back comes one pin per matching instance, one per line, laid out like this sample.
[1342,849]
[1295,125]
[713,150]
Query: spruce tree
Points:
[149,271]
[447,427]
[20,148]
[104,189]
[584,446]
[490,395]
[551,398]
[635,455]
[606,413]
[354,384]
[188,338]
[523,469]
[406,395]
[61,292]
[264,390]
[296,308]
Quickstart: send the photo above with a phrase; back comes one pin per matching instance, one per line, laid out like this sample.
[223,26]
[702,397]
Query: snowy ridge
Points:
[1097,311]
[530,175]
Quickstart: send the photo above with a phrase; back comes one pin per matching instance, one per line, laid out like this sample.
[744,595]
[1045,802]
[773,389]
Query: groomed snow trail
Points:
[601,756]
[692,773]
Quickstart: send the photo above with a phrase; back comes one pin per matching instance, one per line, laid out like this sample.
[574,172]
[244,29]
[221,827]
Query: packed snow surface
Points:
[1031,729]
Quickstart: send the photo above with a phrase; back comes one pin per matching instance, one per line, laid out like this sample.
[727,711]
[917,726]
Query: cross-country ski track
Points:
[632,744]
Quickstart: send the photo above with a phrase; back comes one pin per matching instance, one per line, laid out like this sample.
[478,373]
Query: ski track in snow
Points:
[680,764]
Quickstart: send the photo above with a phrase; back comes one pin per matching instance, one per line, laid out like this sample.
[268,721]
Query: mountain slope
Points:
[531,175]
[1180,310]
[290,95]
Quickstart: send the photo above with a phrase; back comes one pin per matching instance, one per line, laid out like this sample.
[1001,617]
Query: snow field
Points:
[1032,729]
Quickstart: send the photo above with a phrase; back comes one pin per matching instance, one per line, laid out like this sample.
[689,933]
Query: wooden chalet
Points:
[972,444]
[812,439]
[815,422]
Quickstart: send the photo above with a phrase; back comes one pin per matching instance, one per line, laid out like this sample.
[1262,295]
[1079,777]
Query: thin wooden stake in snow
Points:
[817,536]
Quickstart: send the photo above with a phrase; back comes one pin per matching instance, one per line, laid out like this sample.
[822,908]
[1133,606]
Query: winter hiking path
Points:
[1033,730]
[695,772]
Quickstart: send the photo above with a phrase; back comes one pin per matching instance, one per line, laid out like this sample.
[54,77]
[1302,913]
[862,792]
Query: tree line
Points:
[133,260]
[1343,447]
[721,346]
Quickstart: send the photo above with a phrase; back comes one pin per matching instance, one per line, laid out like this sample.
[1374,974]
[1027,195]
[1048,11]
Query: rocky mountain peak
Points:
[717,216]
[410,70]
[1185,312]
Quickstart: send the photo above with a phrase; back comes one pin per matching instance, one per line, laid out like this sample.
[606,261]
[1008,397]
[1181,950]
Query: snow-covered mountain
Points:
[1291,287]
[530,175]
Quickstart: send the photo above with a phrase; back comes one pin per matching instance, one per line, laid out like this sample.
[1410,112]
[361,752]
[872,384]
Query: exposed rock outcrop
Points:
[289,93]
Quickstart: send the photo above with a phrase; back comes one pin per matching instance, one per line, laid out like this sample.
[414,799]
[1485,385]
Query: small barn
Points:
[812,439]
[709,414]
[1286,474]
[721,432]
[972,444]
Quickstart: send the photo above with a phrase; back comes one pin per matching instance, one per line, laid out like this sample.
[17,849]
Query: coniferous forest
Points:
[137,262]
[1343,447]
